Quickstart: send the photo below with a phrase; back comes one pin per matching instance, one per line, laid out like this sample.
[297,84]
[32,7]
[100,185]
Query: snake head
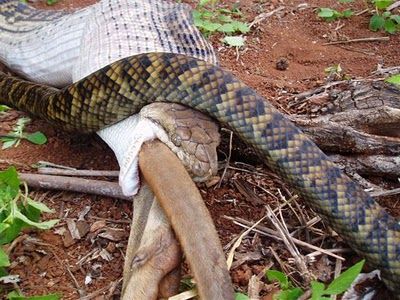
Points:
[191,135]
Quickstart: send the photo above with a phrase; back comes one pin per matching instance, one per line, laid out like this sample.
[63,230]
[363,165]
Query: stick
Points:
[367,39]
[80,185]
[68,172]
[274,234]
[385,193]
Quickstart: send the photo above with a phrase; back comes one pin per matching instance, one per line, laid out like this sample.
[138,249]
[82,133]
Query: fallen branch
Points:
[380,165]
[73,184]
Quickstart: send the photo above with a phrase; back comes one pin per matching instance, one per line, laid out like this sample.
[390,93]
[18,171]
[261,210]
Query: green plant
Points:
[384,20]
[381,19]
[211,19]
[241,296]
[51,2]
[329,14]
[394,79]
[17,134]
[15,296]
[17,211]
[318,289]
[288,291]
[3,108]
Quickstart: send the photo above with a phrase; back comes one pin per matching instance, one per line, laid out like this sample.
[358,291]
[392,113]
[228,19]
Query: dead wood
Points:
[74,184]
[359,125]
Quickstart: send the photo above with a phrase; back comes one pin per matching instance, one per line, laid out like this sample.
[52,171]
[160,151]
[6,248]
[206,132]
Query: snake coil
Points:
[122,88]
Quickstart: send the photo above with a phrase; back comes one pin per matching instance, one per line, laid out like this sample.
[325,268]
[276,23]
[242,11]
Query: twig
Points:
[90,186]
[385,193]
[274,234]
[290,245]
[362,12]
[99,292]
[69,172]
[393,6]
[237,243]
[386,71]
[261,17]
[367,39]
[42,163]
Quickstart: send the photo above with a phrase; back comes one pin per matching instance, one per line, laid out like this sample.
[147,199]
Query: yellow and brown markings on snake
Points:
[123,87]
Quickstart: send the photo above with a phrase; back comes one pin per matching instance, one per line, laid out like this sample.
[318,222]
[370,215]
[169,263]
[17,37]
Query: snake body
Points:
[122,88]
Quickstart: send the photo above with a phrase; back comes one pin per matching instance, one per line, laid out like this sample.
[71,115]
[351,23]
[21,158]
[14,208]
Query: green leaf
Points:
[39,206]
[325,12]
[343,282]
[51,2]
[234,41]
[3,272]
[395,79]
[241,296]
[37,138]
[4,260]
[14,228]
[45,297]
[376,22]
[227,28]
[274,275]
[382,4]
[3,108]
[386,14]
[3,227]
[204,2]
[240,26]
[40,225]
[9,178]
[210,26]
[317,289]
[395,18]
[8,142]
[225,18]
[390,26]
[347,13]
[291,294]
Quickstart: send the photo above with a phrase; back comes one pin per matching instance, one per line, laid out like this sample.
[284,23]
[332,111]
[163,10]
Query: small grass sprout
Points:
[394,79]
[329,14]
[14,137]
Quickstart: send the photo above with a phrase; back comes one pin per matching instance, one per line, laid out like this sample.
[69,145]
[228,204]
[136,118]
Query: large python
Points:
[123,87]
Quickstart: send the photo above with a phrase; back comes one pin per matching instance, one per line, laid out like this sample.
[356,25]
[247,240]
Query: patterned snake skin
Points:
[123,87]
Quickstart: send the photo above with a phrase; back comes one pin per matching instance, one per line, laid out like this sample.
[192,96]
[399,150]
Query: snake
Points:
[122,88]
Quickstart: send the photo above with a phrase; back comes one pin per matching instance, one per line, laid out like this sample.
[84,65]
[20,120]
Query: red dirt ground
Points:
[296,34]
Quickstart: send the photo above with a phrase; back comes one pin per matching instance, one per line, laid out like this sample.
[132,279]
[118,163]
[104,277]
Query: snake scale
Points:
[125,86]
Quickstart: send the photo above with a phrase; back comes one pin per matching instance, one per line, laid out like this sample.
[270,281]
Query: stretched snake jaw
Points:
[126,146]
[158,120]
